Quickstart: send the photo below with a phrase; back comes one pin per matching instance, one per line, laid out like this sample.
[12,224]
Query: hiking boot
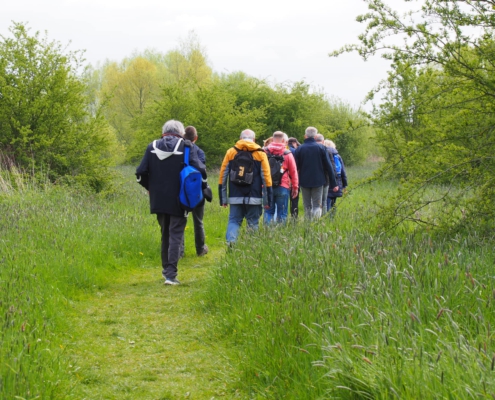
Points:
[172,281]
[204,251]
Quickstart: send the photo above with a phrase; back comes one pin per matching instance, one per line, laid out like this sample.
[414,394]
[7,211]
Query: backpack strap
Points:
[186,155]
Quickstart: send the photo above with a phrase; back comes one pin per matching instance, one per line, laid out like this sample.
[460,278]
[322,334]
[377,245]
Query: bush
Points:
[44,119]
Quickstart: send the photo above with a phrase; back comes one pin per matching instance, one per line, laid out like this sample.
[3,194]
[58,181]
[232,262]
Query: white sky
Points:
[282,40]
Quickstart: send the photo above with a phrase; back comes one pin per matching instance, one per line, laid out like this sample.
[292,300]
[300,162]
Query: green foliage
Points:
[57,244]
[44,121]
[141,92]
[210,108]
[328,310]
[435,122]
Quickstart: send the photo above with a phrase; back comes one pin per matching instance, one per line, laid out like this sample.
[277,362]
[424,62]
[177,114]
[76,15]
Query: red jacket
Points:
[290,178]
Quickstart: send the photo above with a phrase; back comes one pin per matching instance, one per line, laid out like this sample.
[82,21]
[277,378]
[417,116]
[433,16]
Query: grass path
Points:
[139,339]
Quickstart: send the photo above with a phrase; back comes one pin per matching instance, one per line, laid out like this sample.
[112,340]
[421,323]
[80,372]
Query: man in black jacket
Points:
[313,166]
[159,173]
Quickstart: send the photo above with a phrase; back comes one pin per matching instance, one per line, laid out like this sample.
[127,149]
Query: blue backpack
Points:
[338,164]
[191,184]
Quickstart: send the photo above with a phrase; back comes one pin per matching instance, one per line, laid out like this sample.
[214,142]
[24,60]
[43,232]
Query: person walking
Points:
[294,201]
[312,164]
[159,173]
[319,138]
[191,134]
[340,174]
[245,184]
[285,181]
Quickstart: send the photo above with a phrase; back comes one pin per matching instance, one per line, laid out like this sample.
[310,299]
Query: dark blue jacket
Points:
[201,154]
[162,176]
[313,164]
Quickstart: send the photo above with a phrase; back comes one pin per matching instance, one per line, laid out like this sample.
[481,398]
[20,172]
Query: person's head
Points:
[293,142]
[248,134]
[268,141]
[329,143]
[310,132]
[279,137]
[319,138]
[173,126]
[191,133]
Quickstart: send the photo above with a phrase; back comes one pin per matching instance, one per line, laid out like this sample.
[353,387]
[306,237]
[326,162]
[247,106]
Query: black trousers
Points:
[294,205]
[172,228]
[199,229]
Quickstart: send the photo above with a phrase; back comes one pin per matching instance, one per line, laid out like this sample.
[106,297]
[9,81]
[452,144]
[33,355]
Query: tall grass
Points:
[328,310]
[56,244]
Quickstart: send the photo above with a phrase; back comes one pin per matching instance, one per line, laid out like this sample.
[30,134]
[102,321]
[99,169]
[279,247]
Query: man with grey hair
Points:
[159,173]
[245,183]
[313,165]
[320,139]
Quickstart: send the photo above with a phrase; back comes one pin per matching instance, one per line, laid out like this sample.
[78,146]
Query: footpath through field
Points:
[139,339]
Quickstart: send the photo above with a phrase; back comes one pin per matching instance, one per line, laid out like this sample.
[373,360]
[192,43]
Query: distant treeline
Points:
[68,121]
[141,92]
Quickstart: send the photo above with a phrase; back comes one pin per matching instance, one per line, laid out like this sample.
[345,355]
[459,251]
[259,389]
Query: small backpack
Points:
[242,167]
[338,164]
[191,184]
[276,170]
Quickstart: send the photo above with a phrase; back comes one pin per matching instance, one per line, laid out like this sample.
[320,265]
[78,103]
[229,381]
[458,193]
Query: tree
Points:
[436,123]
[128,88]
[189,62]
[44,119]
[210,108]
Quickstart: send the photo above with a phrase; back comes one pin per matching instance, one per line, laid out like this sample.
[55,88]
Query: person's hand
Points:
[267,207]
[224,205]
[335,189]
[294,193]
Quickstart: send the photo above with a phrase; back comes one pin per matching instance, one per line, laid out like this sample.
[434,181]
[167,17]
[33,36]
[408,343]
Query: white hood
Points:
[162,155]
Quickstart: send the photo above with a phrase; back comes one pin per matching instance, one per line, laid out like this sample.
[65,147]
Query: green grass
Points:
[81,280]
[331,309]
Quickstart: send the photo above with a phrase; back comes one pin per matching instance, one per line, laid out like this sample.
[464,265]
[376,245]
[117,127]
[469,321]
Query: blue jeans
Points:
[279,206]
[238,212]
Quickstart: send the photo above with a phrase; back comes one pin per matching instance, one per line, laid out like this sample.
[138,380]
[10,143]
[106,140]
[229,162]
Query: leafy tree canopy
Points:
[44,119]
[435,120]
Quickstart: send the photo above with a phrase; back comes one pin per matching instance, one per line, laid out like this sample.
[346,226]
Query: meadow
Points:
[328,309]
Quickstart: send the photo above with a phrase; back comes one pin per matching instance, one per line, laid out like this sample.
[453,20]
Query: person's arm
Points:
[266,178]
[329,168]
[142,172]
[343,173]
[293,175]
[194,159]
[223,180]
[201,155]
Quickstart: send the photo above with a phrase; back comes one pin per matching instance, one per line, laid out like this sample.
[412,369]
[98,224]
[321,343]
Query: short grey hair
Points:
[173,126]
[319,137]
[329,143]
[248,134]
[311,132]
[280,137]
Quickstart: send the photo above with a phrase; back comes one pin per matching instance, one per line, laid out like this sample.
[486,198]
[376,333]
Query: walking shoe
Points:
[170,281]
[204,251]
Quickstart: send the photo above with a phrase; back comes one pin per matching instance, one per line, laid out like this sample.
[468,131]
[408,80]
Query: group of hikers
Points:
[252,179]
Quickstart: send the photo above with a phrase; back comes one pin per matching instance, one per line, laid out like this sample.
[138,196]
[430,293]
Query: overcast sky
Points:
[282,40]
